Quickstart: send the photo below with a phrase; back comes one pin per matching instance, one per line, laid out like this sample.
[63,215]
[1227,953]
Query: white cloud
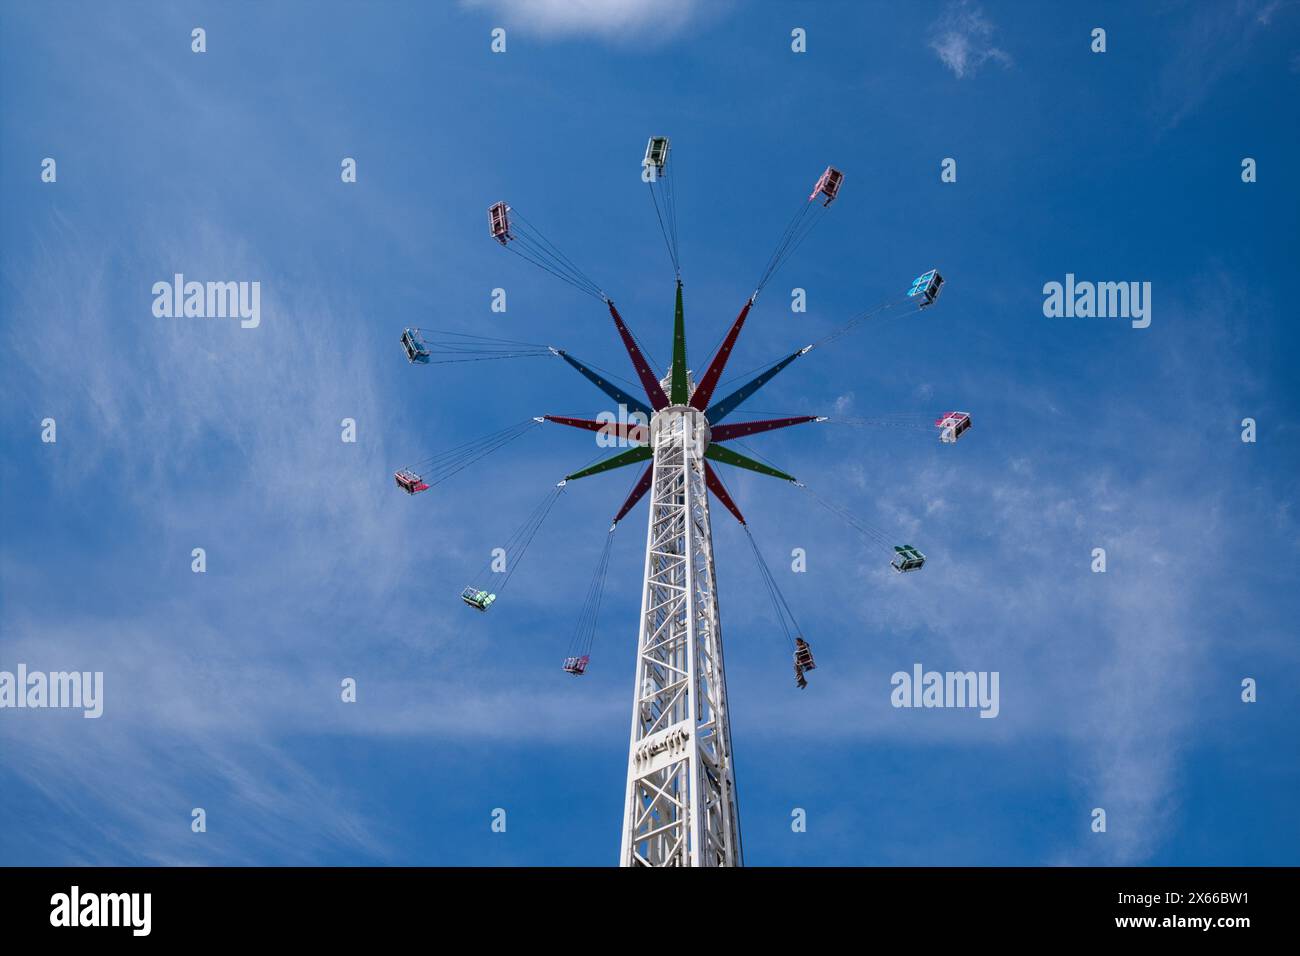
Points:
[225,675]
[1265,14]
[1211,43]
[646,19]
[963,40]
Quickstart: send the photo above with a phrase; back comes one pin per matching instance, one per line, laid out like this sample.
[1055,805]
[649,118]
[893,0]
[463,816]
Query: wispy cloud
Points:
[963,39]
[1211,42]
[646,20]
[1109,666]
[311,562]
[1264,15]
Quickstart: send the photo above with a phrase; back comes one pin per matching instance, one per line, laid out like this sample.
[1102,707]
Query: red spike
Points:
[627,431]
[654,391]
[638,492]
[720,492]
[704,391]
[741,429]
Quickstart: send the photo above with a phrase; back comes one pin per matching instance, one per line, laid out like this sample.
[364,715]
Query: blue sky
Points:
[1118,690]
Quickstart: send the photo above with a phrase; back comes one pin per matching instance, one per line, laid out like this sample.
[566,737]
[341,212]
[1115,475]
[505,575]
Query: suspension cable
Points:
[527,241]
[833,335]
[800,226]
[453,347]
[906,420]
[779,604]
[441,466]
[872,535]
[654,171]
[584,634]
[907,306]
[668,228]
[516,546]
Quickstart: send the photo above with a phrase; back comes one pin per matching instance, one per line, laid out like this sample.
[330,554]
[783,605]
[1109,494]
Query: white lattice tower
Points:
[681,805]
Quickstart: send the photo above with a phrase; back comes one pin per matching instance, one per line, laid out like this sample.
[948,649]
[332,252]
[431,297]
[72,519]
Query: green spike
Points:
[680,395]
[729,457]
[640,453]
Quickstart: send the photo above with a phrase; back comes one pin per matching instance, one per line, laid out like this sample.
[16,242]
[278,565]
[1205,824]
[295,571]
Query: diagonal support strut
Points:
[729,457]
[721,409]
[628,457]
[654,391]
[624,431]
[741,429]
[704,391]
[609,388]
[720,491]
[637,493]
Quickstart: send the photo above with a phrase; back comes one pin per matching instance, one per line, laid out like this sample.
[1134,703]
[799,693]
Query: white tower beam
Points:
[680,805]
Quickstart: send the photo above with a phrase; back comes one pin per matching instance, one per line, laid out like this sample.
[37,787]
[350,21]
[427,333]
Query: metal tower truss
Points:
[681,791]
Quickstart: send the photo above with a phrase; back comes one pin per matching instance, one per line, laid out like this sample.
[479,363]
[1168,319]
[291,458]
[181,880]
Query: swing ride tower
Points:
[680,802]
[680,807]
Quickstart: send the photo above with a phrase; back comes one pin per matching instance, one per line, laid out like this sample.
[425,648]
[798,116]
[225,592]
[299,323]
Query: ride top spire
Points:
[679,389]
